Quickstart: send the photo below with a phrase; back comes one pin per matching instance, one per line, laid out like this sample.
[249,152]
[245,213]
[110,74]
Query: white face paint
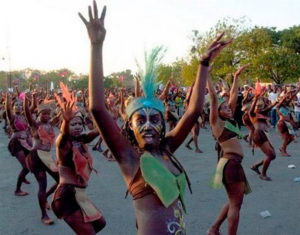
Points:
[76,126]
[147,124]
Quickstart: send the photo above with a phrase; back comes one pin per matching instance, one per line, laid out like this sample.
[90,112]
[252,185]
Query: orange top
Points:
[45,136]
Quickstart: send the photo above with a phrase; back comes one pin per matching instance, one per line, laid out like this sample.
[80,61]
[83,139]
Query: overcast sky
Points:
[48,34]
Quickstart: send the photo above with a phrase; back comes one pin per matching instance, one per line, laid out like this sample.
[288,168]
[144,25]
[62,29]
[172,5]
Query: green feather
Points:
[148,78]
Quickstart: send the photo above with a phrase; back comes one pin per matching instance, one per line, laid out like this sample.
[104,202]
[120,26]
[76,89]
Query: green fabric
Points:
[217,179]
[181,183]
[233,128]
[220,100]
[166,185]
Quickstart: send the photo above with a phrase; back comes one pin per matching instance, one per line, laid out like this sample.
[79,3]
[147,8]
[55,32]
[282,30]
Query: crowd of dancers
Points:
[142,128]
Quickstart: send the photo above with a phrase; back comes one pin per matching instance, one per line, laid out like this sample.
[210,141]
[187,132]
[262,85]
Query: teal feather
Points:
[148,78]
[148,81]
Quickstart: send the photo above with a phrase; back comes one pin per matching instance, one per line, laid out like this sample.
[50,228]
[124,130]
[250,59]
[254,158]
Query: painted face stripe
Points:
[148,124]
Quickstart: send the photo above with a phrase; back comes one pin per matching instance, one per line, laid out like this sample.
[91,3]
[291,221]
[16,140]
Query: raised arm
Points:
[67,114]
[255,99]
[28,115]
[164,93]
[119,146]
[33,102]
[269,107]
[234,89]
[176,137]
[188,96]
[213,114]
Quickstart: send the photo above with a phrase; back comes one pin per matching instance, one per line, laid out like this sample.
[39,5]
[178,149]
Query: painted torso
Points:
[159,209]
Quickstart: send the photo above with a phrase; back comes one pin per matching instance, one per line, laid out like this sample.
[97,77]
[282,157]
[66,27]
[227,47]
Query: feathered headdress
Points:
[148,83]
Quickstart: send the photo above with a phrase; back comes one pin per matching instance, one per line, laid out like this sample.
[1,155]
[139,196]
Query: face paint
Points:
[147,125]
[76,126]
[147,119]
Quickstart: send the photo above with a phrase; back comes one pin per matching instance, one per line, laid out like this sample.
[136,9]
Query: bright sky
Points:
[48,34]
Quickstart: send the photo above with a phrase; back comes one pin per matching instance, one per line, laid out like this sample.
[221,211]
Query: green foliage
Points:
[290,38]
[165,73]
[189,71]
[171,71]
[273,55]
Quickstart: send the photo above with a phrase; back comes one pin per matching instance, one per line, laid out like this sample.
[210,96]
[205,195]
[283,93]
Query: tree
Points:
[165,73]
[279,64]
[228,61]
[290,38]
[273,55]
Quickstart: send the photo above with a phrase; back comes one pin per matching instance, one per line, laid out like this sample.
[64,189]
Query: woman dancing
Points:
[40,160]
[258,114]
[246,104]
[155,179]
[285,124]
[229,169]
[75,165]
[20,142]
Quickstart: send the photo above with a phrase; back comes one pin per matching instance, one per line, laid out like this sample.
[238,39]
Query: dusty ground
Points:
[281,197]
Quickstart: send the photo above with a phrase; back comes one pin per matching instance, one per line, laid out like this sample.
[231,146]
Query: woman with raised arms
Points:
[229,170]
[155,179]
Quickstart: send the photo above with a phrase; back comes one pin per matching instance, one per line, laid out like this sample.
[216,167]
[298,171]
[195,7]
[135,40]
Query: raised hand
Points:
[215,48]
[95,25]
[67,111]
[240,70]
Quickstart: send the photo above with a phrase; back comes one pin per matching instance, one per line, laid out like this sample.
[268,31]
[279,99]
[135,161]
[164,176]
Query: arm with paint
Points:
[176,137]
